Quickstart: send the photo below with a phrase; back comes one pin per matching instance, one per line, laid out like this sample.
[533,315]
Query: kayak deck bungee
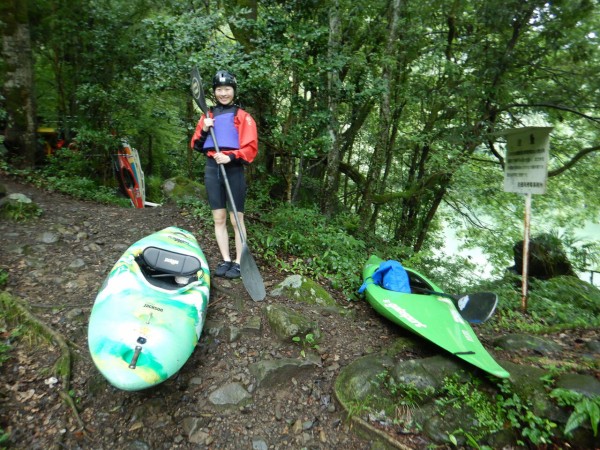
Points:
[432,317]
[149,313]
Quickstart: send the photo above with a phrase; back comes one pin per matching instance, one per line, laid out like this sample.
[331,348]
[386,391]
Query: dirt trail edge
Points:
[56,266]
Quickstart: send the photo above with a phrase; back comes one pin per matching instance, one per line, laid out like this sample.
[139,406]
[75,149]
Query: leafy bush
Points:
[86,189]
[492,415]
[301,240]
[584,409]
[66,163]
[154,191]
[199,209]
[20,210]
[559,303]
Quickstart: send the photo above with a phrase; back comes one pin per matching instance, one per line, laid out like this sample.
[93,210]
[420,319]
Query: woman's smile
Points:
[224,94]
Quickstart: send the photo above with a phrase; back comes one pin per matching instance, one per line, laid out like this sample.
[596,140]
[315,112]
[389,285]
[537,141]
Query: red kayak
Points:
[130,176]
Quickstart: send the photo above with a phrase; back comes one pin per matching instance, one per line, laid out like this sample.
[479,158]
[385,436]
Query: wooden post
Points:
[524,273]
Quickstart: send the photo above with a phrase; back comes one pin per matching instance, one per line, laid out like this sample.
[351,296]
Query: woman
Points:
[237,138]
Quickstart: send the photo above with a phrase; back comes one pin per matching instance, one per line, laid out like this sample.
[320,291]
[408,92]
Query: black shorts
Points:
[215,185]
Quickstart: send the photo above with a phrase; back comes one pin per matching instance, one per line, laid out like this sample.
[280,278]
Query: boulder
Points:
[183,189]
[547,258]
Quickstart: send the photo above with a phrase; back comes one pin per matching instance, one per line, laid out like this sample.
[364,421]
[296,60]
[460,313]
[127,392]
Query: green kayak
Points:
[433,317]
[150,311]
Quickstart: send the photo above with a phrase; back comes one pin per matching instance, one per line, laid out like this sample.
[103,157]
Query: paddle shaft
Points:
[228,188]
[432,292]
[479,307]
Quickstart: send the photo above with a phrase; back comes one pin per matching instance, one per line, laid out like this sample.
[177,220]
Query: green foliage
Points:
[582,253]
[154,191]
[3,278]
[459,394]
[20,211]
[403,394]
[559,303]
[392,402]
[311,245]
[309,341]
[13,334]
[493,414]
[584,409]
[521,417]
[358,408]
[68,163]
[199,209]
[86,189]
[4,438]
[4,353]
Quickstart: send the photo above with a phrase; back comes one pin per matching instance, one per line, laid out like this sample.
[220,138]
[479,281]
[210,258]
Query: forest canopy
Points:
[384,112]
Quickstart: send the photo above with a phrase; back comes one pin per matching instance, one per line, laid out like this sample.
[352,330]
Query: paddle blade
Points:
[477,307]
[198,90]
[251,277]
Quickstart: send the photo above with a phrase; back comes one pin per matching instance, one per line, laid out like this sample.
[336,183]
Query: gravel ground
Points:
[56,265]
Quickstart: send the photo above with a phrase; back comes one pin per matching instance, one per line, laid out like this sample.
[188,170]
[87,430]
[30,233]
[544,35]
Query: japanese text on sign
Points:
[526,161]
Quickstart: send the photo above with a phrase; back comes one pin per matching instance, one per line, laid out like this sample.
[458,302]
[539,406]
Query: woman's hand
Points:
[208,123]
[221,158]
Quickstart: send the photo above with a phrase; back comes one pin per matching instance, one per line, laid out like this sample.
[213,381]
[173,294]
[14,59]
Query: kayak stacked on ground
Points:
[149,313]
[128,169]
[433,317]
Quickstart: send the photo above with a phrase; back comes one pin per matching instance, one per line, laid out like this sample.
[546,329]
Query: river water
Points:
[589,233]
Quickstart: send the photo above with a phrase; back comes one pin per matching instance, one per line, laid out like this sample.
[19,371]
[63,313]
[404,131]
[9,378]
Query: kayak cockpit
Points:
[418,285]
[167,269]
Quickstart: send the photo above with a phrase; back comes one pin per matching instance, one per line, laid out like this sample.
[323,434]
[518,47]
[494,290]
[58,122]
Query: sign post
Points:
[526,172]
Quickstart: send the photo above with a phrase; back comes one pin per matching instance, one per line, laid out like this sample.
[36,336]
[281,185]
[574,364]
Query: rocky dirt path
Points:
[56,266]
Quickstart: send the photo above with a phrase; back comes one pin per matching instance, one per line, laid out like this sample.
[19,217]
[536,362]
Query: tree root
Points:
[62,367]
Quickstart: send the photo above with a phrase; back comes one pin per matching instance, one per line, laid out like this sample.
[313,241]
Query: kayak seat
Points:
[167,262]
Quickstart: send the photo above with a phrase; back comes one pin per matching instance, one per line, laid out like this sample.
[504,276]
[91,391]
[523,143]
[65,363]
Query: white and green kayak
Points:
[150,311]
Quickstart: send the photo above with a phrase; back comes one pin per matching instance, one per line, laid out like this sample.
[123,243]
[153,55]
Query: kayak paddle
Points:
[251,277]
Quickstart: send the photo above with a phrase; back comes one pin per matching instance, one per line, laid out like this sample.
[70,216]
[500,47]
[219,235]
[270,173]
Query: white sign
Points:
[526,160]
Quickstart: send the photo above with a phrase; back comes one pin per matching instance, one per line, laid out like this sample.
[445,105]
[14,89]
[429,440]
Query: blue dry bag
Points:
[391,276]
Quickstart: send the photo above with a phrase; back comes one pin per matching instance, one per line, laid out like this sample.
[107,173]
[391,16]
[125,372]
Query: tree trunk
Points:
[385,142]
[20,132]
[332,173]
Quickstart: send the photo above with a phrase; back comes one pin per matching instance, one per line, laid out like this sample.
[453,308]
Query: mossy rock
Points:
[287,323]
[19,208]
[304,290]
[181,189]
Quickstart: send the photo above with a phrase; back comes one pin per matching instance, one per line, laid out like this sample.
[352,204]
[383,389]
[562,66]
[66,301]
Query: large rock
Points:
[287,323]
[181,189]
[584,384]
[274,372]
[547,258]
[448,401]
[518,341]
[232,395]
[305,290]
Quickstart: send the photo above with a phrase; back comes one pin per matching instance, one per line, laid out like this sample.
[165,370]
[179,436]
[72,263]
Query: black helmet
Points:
[224,78]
